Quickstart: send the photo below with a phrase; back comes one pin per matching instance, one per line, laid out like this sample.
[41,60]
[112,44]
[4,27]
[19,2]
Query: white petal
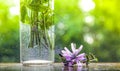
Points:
[79,49]
[66,55]
[73,47]
[63,51]
[67,51]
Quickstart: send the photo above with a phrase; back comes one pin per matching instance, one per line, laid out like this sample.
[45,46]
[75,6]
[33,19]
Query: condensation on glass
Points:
[36,32]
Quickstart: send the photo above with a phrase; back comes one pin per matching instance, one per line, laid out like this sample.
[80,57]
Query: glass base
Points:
[37,62]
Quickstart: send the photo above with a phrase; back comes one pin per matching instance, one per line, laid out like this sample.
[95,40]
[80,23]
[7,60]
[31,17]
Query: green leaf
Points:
[38,5]
[23,13]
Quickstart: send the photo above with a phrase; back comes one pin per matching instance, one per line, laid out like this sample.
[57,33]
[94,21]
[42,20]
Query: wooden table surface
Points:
[59,67]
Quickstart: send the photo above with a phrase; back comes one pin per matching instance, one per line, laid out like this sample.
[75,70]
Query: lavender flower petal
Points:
[81,57]
[79,49]
[67,51]
[73,57]
[68,58]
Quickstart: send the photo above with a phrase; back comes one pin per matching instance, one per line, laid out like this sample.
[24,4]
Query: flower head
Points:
[71,58]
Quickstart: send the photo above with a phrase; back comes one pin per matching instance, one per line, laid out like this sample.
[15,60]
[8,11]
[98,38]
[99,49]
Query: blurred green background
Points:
[93,23]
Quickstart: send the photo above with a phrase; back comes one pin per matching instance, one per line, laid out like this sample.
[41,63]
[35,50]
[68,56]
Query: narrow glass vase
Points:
[36,32]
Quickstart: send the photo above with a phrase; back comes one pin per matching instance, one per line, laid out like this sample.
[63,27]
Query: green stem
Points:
[39,25]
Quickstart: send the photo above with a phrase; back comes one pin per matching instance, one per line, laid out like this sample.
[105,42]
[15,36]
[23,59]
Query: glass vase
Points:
[36,32]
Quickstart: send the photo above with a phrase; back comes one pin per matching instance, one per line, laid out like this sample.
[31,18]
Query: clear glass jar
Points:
[36,32]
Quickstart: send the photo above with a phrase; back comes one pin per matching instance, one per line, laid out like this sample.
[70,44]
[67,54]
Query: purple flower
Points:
[73,57]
